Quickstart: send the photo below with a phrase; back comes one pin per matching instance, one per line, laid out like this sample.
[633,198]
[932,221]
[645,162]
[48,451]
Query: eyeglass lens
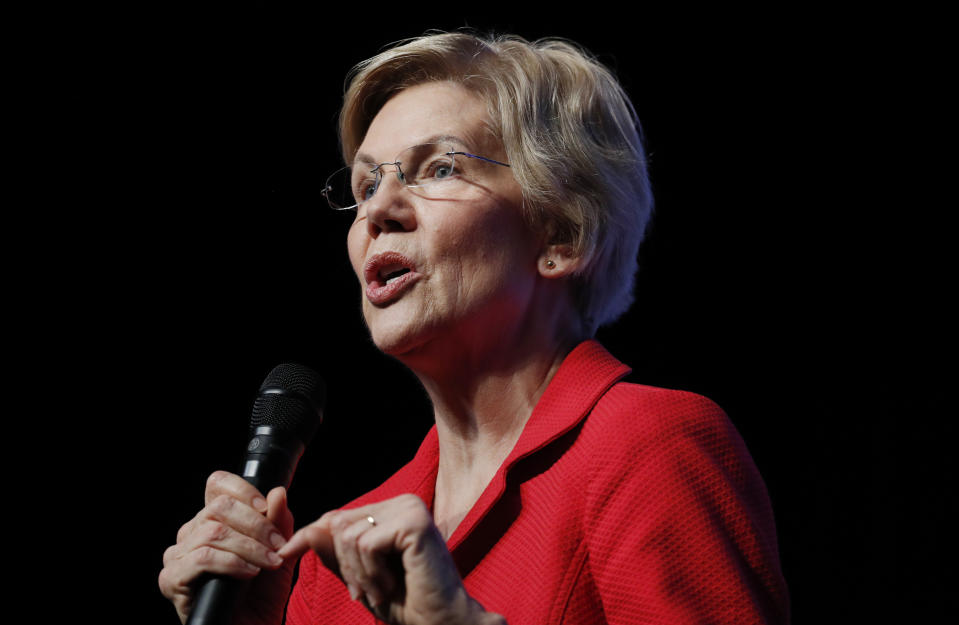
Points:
[418,166]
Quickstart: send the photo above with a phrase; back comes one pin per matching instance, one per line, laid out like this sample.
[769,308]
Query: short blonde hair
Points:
[570,133]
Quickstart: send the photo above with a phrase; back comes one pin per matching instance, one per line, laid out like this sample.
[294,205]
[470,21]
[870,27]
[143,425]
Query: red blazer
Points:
[620,503]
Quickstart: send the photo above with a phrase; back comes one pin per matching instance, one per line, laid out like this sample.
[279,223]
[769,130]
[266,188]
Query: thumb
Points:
[278,512]
[315,536]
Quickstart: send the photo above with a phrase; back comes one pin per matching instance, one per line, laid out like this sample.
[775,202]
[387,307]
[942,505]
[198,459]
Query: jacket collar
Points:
[582,378]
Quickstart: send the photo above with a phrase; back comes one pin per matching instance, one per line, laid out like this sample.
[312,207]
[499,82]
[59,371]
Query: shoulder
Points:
[639,415]
[653,438]
[675,505]
[674,500]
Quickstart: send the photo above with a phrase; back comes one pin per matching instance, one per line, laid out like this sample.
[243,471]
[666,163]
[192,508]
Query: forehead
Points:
[426,113]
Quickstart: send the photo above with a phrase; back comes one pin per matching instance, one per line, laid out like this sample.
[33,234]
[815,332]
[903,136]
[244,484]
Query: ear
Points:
[557,261]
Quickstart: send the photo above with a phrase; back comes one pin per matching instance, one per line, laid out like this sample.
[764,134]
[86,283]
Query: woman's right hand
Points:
[236,534]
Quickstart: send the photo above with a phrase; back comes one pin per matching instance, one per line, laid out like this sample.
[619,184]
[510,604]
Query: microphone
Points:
[286,414]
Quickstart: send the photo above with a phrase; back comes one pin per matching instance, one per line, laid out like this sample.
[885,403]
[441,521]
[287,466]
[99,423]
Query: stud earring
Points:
[550,264]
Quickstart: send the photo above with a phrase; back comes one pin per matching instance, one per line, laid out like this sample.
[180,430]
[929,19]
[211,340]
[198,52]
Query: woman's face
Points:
[471,259]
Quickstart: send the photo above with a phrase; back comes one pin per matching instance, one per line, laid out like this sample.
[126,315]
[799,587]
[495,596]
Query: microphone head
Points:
[291,400]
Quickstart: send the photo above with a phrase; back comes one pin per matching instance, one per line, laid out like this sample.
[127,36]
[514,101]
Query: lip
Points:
[380,292]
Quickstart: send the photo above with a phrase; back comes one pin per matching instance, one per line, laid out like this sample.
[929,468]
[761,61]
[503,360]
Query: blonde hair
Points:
[570,133]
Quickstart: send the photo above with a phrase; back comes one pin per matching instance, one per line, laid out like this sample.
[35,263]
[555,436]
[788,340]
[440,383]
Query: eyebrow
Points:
[363,158]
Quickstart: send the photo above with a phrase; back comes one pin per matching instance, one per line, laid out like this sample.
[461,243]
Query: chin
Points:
[396,339]
[392,346]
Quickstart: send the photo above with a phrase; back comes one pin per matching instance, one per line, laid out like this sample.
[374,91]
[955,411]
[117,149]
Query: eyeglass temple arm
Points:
[482,158]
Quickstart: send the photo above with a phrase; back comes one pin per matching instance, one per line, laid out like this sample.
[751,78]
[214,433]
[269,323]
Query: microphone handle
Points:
[271,460]
[215,602]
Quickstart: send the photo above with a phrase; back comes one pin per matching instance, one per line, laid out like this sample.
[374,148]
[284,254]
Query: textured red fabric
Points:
[620,503]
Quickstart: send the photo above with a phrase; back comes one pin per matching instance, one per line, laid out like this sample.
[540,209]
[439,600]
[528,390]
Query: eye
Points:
[441,169]
[444,170]
[364,190]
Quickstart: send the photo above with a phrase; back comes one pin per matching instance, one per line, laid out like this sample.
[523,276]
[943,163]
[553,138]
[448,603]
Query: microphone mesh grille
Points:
[291,400]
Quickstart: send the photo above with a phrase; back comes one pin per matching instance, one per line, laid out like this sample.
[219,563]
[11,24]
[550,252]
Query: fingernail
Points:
[274,558]
[354,593]
[259,504]
[276,540]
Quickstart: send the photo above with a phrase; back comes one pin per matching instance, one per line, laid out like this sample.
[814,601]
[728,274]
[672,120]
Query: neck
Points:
[481,406]
[484,381]
[483,392]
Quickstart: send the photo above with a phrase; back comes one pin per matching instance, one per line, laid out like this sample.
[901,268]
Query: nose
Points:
[389,209]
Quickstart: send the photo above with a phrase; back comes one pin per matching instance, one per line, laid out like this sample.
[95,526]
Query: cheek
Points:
[467,254]
[500,237]
[494,248]
[356,248]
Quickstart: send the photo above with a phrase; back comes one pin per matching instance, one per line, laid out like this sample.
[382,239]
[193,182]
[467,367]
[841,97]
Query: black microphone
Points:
[286,414]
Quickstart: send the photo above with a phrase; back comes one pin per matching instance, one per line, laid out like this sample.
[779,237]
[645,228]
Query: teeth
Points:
[396,275]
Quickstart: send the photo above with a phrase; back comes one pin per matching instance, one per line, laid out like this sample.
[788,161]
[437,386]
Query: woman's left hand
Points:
[392,558]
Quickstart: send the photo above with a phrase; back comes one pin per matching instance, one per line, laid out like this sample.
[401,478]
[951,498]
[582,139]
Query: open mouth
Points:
[387,276]
[392,276]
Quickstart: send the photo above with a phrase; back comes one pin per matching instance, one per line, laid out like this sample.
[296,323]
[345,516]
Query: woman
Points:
[501,195]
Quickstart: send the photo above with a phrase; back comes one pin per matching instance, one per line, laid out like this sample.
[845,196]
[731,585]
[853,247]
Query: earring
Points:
[550,264]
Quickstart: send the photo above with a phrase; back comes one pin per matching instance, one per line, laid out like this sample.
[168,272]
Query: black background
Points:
[792,272]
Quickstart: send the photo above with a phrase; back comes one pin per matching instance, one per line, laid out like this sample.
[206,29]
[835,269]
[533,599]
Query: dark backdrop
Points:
[783,276]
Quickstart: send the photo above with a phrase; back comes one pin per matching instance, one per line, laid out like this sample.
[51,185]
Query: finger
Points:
[224,483]
[346,529]
[363,549]
[242,518]
[315,536]
[374,547]
[318,536]
[218,535]
[179,595]
[218,562]
[278,513]
[180,572]
[379,610]
[298,544]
